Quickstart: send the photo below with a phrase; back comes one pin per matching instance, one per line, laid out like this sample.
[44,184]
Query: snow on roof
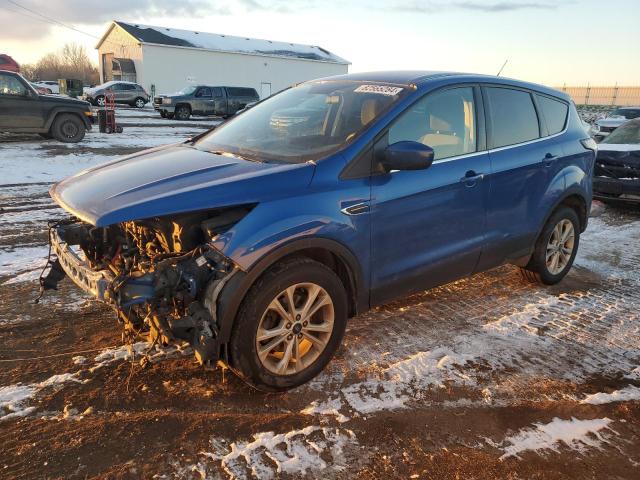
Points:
[228,43]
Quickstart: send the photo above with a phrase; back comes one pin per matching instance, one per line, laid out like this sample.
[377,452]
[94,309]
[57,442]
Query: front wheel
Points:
[289,325]
[139,102]
[100,101]
[182,113]
[68,128]
[555,248]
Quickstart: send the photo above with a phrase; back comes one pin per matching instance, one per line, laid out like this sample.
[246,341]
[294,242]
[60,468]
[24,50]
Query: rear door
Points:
[428,226]
[518,179]
[19,106]
[219,101]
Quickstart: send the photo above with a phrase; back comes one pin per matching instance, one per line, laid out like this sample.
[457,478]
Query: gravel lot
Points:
[488,377]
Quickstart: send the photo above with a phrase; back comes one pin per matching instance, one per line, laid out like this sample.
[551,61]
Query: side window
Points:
[445,121]
[204,92]
[513,117]
[116,87]
[10,85]
[126,86]
[217,91]
[554,112]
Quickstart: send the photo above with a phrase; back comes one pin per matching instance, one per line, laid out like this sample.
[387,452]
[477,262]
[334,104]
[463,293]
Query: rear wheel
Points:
[170,115]
[163,114]
[183,112]
[68,128]
[100,101]
[555,248]
[289,325]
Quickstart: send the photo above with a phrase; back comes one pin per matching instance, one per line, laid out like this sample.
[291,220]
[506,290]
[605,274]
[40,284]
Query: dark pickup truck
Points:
[204,100]
[23,110]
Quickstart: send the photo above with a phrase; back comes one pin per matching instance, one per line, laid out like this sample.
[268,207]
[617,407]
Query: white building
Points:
[166,60]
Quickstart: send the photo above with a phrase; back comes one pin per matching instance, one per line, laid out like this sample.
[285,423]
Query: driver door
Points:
[19,107]
[204,101]
[428,226]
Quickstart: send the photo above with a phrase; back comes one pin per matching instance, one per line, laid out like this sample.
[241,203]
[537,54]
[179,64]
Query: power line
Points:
[55,22]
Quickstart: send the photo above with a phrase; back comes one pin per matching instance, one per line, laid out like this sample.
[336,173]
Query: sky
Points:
[554,42]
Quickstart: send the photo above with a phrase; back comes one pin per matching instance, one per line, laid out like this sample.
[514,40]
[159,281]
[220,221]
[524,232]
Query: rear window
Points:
[554,113]
[242,92]
[3,60]
[513,117]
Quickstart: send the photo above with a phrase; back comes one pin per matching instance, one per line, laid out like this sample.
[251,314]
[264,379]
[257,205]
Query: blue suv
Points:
[256,241]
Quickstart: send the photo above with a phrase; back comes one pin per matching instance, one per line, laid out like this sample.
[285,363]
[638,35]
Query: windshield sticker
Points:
[379,89]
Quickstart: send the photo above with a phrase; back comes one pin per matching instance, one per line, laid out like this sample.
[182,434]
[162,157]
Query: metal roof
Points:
[227,43]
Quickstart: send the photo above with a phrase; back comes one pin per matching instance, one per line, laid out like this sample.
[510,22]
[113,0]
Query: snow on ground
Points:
[14,398]
[25,259]
[307,451]
[626,394]
[578,435]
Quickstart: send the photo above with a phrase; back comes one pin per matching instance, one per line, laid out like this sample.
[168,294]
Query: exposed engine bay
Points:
[161,275]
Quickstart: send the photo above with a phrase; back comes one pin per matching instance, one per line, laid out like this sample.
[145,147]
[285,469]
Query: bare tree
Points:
[71,61]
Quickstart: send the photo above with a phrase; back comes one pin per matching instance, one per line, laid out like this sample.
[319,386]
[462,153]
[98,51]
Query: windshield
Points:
[629,133]
[628,113]
[187,90]
[303,123]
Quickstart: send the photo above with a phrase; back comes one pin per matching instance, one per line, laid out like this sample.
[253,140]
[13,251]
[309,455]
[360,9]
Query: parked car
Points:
[204,100]
[124,92]
[617,172]
[8,64]
[51,85]
[40,90]
[256,245]
[23,110]
[608,124]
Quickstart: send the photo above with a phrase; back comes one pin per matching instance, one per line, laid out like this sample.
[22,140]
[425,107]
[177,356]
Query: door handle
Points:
[548,159]
[471,178]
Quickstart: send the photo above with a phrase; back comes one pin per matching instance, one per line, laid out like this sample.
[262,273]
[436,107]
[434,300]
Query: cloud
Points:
[478,6]
[37,18]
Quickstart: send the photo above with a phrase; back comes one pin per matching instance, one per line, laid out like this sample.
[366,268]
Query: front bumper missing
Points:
[94,282]
[625,190]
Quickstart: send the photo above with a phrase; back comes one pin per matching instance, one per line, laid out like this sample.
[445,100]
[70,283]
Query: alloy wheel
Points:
[560,246]
[295,328]
[100,101]
[140,103]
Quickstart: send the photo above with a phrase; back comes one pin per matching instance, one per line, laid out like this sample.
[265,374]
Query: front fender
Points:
[60,110]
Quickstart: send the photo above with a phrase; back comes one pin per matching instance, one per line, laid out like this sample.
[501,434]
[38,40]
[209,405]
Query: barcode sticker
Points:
[379,89]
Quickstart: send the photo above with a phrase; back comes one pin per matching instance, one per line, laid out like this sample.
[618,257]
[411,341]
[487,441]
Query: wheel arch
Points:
[574,199]
[60,111]
[328,252]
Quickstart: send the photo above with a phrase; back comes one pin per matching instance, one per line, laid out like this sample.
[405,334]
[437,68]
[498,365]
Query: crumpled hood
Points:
[174,179]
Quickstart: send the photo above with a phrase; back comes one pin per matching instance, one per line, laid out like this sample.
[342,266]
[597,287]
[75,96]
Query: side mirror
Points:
[407,155]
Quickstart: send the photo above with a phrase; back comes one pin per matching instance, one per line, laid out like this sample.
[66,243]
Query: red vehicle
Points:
[8,63]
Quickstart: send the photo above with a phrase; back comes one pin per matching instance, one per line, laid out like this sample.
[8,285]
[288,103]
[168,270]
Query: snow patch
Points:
[13,398]
[575,434]
[330,407]
[22,259]
[626,394]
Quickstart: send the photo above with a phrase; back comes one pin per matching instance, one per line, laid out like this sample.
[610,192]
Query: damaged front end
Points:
[161,275]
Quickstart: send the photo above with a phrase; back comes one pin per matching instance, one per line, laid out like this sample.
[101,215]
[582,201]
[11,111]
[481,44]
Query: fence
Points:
[614,96]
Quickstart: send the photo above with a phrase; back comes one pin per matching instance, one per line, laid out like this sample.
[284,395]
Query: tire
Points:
[139,102]
[99,101]
[254,313]
[182,112]
[550,245]
[169,115]
[68,128]
[163,114]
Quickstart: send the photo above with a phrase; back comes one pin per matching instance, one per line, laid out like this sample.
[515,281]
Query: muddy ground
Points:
[488,378]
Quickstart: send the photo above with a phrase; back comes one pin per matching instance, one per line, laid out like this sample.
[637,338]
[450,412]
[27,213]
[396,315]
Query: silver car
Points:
[124,92]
